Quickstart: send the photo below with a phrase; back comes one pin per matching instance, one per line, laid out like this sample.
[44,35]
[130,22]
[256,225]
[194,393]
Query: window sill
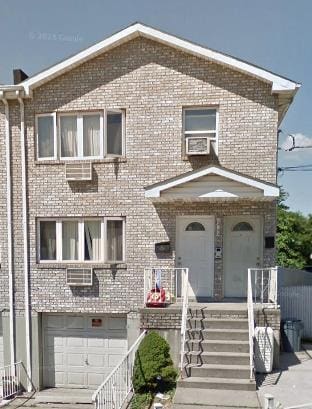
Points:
[95,266]
[117,159]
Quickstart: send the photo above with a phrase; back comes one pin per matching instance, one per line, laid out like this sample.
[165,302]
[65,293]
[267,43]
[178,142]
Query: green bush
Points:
[141,401]
[153,367]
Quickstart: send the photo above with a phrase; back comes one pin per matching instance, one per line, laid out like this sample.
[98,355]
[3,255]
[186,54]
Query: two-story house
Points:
[139,141]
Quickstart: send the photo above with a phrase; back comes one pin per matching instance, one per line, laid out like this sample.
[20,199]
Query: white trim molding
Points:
[269,190]
[279,84]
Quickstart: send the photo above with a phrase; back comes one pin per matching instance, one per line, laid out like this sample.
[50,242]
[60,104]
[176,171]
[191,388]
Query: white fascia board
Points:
[268,190]
[279,84]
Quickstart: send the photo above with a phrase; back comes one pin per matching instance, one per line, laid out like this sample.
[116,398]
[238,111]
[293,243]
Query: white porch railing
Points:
[185,287]
[261,289]
[264,285]
[115,390]
[10,381]
[163,285]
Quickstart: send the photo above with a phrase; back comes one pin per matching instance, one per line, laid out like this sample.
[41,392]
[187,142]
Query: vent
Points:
[78,171]
[197,145]
[79,276]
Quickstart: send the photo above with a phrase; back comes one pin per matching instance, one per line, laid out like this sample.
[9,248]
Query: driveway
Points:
[291,386]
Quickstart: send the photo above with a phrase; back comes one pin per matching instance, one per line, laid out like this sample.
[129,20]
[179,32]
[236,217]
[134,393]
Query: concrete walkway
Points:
[187,398]
[291,386]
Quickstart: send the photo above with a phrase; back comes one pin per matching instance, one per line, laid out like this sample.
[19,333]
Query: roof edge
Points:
[279,84]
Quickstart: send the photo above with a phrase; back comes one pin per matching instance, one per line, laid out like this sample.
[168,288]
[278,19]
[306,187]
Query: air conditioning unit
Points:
[197,145]
[79,277]
[78,171]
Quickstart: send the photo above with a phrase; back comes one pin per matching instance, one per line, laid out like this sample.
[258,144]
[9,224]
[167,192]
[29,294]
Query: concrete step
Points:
[64,396]
[218,371]
[218,334]
[217,383]
[218,358]
[217,313]
[208,345]
[217,323]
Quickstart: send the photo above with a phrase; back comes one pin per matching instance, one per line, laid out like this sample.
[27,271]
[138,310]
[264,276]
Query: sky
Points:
[272,34]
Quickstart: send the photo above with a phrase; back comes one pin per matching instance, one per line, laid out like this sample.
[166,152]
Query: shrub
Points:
[153,366]
[140,401]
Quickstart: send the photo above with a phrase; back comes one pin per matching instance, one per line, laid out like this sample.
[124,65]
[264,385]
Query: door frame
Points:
[212,218]
[235,219]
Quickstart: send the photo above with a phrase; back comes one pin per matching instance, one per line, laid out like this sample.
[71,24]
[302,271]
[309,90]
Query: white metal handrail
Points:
[10,381]
[163,285]
[251,324]
[115,390]
[185,286]
[264,285]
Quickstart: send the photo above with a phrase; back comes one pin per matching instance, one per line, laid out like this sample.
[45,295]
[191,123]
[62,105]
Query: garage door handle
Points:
[86,362]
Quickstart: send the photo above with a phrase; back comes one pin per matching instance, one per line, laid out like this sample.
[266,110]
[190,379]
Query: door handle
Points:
[86,361]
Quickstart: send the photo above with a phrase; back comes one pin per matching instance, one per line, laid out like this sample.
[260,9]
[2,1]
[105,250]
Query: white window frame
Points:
[53,115]
[123,132]
[216,132]
[123,239]
[81,250]
[79,117]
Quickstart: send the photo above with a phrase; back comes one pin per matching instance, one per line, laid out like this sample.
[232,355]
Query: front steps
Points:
[217,350]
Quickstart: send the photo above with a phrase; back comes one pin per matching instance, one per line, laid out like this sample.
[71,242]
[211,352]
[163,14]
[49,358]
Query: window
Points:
[80,135]
[201,122]
[242,226]
[114,133]
[47,240]
[114,240]
[195,226]
[82,240]
[46,136]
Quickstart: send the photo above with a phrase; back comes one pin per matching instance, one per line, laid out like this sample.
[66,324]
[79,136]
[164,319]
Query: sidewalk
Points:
[291,386]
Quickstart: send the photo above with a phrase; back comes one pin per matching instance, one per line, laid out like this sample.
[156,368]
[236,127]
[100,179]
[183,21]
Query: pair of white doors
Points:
[242,248]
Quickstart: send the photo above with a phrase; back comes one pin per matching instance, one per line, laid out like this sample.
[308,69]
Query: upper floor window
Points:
[82,240]
[84,135]
[200,130]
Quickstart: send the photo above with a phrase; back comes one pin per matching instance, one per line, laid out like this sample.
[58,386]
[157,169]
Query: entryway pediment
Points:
[212,183]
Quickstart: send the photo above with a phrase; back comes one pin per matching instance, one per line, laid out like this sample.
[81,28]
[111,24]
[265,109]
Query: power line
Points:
[293,146]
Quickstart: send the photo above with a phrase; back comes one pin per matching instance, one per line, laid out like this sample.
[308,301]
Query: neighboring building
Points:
[143,138]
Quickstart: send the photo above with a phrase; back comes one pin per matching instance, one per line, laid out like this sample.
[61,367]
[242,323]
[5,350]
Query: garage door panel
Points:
[113,360]
[97,360]
[79,355]
[116,343]
[97,342]
[75,360]
[75,341]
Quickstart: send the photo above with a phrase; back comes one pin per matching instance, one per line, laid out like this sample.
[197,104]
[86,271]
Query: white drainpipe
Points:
[25,241]
[9,226]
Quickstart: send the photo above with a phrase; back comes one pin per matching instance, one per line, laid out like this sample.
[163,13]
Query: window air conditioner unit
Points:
[78,171]
[197,145]
[79,277]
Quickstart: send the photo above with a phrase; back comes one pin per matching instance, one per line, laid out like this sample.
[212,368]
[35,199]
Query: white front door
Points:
[81,350]
[195,250]
[242,250]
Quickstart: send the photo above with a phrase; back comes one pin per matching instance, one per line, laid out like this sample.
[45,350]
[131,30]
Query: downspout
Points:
[25,242]
[9,226]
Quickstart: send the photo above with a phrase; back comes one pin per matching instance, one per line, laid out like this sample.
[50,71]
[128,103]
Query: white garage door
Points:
[79,350]
[1,343]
